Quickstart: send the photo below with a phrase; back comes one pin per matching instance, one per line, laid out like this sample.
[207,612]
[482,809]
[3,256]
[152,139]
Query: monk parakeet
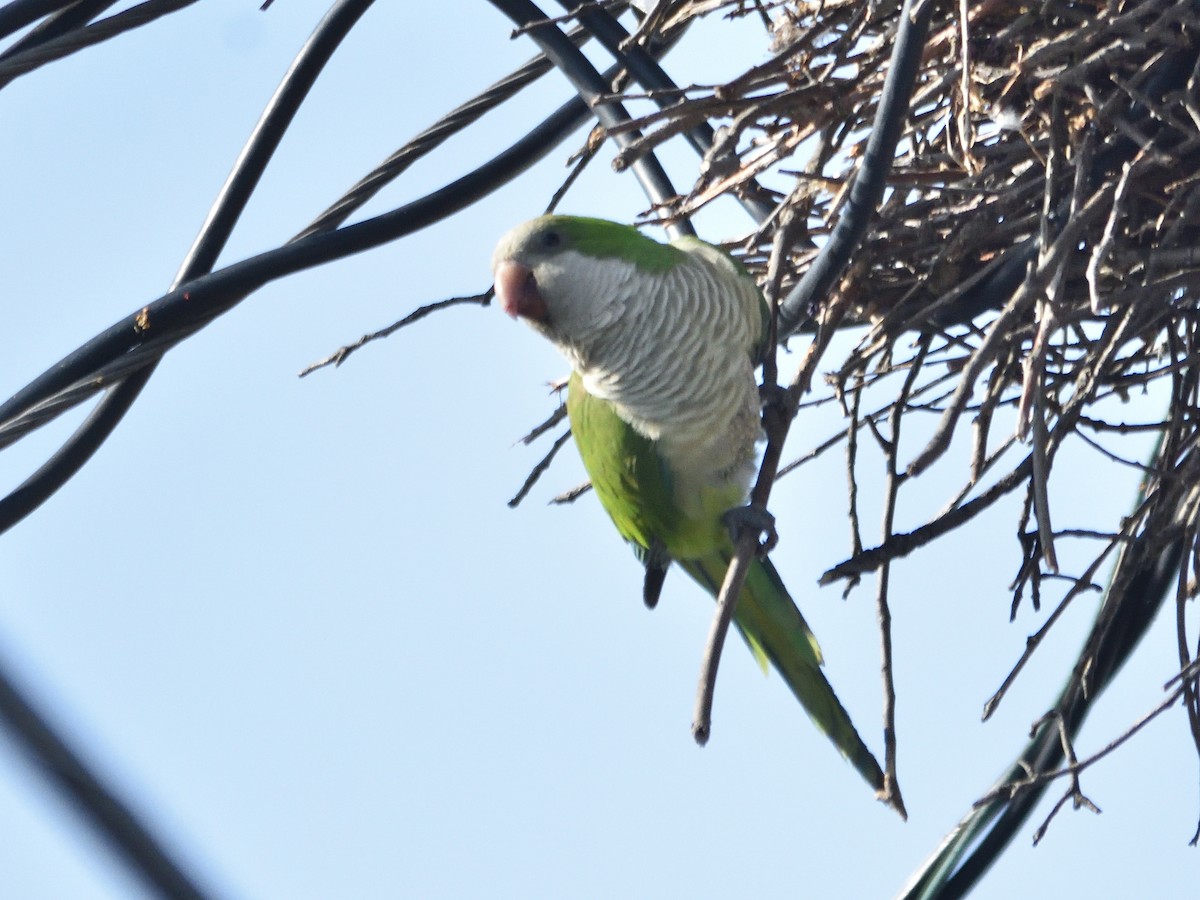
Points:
[663,340]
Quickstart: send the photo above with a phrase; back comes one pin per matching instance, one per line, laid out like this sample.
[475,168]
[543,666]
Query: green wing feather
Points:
[634,486]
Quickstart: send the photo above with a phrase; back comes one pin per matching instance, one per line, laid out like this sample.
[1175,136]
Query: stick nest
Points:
[1038,235]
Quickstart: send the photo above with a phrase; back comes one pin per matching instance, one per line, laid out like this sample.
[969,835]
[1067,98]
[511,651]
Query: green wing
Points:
[634,487]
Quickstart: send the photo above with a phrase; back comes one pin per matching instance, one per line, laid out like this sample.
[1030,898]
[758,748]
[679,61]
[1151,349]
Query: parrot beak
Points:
[518,293]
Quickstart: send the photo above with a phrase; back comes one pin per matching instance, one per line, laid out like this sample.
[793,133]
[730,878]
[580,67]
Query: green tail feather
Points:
[775,631]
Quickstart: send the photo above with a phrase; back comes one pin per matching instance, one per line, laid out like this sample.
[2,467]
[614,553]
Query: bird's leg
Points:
[774,396]
[777,409]
[756,518]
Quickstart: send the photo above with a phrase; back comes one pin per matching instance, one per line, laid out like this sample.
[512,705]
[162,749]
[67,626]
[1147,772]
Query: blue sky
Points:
[296,623]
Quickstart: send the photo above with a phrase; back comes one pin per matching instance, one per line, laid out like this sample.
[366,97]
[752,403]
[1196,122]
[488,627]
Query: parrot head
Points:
[572,277]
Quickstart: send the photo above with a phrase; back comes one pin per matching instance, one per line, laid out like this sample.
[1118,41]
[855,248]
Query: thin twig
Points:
[1081,584]
[891,448]
[541,467]
[570,496]
[777,416]
[1017,306]
[1075,792]
[906,542]
[560,413]
[731,588]
[1039,482]
[340,355]
[1011,788]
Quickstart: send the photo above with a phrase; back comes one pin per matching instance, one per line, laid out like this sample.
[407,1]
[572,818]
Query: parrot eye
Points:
[551,239]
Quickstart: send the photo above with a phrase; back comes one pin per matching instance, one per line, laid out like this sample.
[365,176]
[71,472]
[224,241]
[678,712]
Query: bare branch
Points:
[340,355]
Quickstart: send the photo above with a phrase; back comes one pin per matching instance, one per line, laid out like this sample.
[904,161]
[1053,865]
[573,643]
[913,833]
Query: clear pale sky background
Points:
[295,622]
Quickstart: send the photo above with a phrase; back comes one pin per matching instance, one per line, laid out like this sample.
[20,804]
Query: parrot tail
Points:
[777,633]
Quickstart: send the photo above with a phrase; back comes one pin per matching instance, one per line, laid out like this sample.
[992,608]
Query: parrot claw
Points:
[773,394]
[756,518]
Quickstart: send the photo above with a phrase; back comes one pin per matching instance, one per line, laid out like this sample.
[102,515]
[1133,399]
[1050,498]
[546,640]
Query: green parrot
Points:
[663,340]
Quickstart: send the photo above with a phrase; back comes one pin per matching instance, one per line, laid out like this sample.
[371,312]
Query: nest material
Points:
[1023,114]
[1040,227]
[1033,260]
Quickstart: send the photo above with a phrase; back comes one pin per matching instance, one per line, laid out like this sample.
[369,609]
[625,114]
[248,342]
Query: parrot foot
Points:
[755,518]
[773,395]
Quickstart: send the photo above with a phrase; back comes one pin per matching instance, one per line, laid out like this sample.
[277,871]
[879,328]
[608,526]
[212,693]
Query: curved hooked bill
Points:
[517,291]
